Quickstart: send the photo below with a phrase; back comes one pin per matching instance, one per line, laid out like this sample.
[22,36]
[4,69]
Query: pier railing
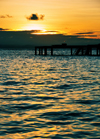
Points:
[74,50]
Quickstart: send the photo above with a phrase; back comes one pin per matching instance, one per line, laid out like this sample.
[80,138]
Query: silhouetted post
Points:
[35,51]
[99,51]
[39,51]
[45,51]
[71,51]
[42,51]
[51,51]
[82,50]
[90,51]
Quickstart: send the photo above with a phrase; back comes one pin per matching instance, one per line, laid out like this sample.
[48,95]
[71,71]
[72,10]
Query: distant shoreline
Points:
[19,47]
[32,47]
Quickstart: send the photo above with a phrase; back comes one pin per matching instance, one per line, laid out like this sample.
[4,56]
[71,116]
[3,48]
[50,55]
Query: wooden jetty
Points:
[74,50]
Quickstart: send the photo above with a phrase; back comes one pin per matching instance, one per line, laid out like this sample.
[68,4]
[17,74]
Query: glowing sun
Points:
[33,27]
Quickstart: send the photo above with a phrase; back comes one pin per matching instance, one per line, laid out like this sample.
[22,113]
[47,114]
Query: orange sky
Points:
[66,16]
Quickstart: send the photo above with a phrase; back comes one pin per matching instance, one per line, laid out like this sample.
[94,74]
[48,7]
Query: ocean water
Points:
[49,97]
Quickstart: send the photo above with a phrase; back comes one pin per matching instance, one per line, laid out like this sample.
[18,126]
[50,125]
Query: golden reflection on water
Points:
[49,97]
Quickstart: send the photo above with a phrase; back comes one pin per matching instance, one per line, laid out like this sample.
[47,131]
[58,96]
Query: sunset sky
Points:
[66,17]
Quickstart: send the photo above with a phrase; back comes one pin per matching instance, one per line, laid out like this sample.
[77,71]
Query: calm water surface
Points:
[50,97]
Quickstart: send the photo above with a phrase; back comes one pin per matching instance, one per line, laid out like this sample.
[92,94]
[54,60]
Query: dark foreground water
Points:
[50,97]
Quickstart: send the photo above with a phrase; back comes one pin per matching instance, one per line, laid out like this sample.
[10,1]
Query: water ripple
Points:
[49,97]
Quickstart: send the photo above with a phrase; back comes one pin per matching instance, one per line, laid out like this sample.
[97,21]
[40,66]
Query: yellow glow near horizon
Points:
[33,27]
[68,17]
[45,32]
[39,28]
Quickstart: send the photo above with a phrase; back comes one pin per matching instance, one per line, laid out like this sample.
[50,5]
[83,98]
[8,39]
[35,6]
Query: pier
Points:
[74,50]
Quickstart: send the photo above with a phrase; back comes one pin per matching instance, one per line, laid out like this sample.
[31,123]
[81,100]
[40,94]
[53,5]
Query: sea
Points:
[49,97]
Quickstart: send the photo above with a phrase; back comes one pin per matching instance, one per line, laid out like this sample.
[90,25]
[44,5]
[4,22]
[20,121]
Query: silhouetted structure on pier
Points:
[74,50]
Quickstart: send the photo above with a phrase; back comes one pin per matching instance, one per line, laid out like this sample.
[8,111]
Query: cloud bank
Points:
[27,38]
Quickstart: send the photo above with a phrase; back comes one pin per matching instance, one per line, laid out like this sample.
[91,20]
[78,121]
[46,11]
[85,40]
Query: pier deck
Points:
[74,50]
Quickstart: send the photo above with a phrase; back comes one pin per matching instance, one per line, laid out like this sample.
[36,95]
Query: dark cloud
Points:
[35,31]
[35,17]
[82,33]
[2,29]
[41,17]
[52,31]
[6,16]
[89,36]
[9,16]
[86,35]
[2,16]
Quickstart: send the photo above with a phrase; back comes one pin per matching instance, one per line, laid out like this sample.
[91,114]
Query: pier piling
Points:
[51,51]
